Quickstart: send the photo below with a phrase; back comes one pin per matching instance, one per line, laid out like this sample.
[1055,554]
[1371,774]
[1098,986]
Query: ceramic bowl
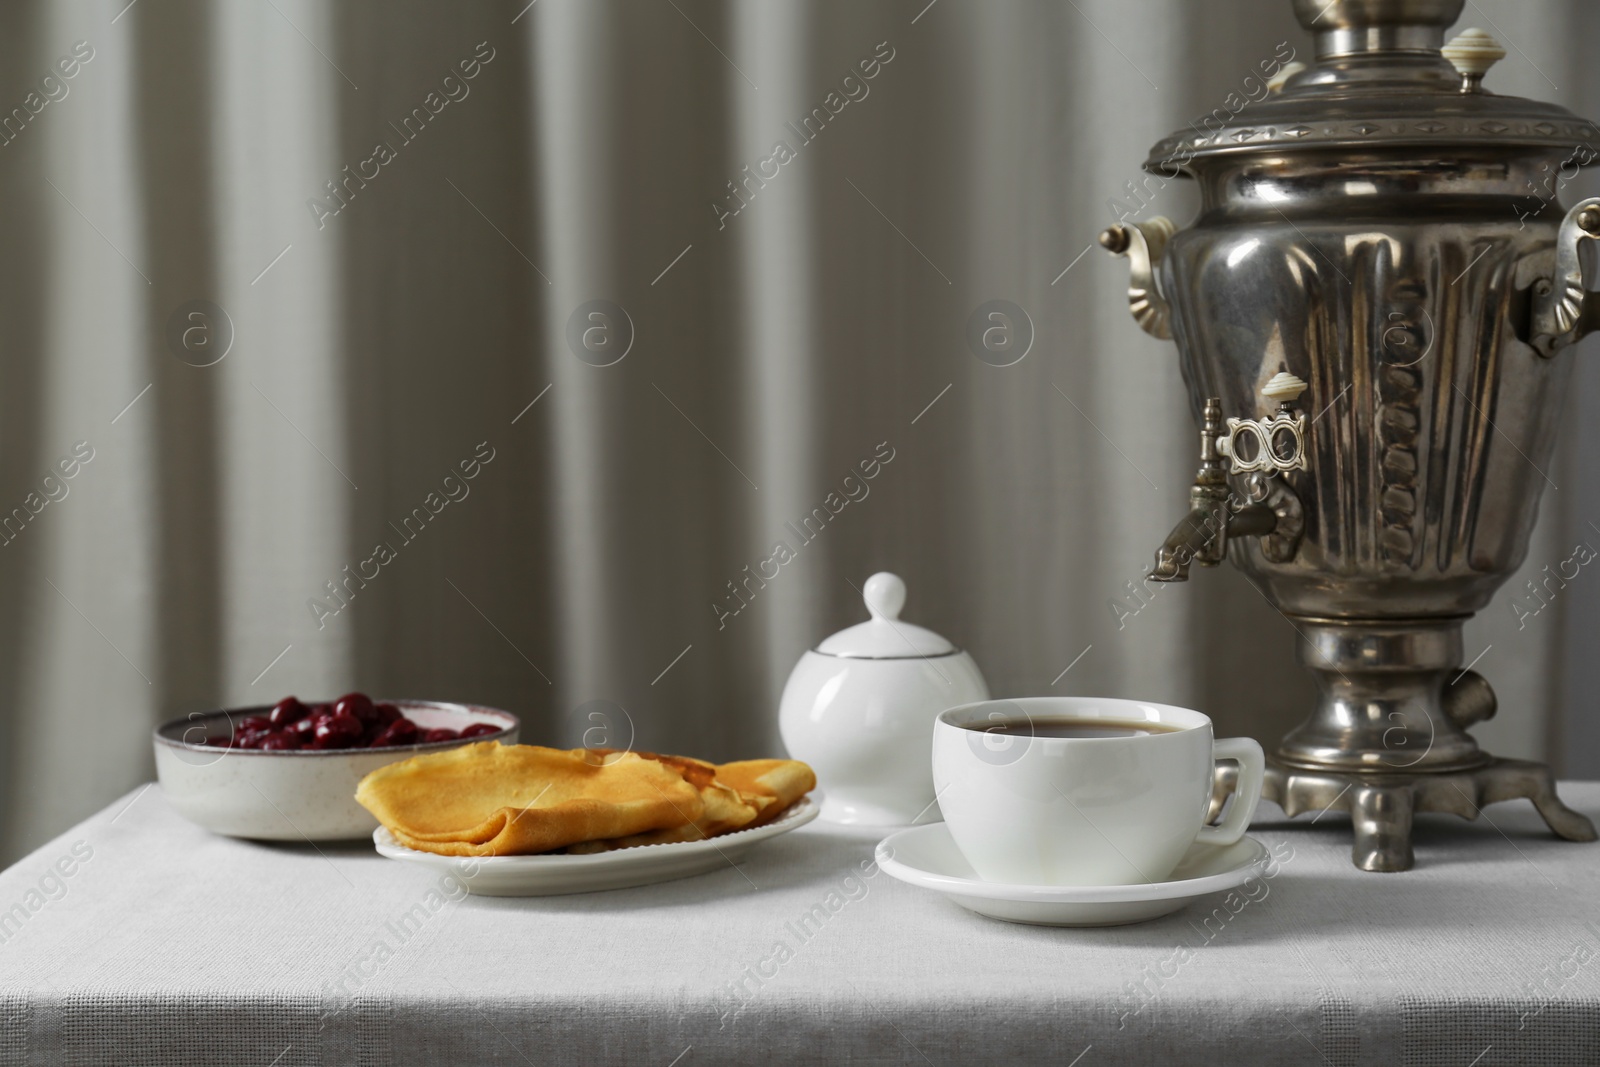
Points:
[294,795]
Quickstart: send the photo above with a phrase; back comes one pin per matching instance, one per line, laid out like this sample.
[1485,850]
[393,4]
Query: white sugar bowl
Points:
[860,709]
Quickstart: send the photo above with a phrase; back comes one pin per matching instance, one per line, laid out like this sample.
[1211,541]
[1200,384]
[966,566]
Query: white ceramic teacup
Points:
[1040,810]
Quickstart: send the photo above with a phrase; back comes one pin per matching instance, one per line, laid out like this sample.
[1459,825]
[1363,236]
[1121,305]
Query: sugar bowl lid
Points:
[884,636]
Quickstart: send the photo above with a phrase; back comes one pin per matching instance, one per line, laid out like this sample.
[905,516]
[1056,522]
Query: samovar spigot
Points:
[1261,448]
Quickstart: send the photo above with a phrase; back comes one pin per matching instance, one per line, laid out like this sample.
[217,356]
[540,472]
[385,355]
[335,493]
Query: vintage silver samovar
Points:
[1374,313]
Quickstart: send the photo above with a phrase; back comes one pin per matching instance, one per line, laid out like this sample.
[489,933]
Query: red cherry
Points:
[439,733]
[286,711]
[386,714]
[326,740]
[279,741]
[399,732]
[250,730]
[479,729]
[338,731]
[357,705]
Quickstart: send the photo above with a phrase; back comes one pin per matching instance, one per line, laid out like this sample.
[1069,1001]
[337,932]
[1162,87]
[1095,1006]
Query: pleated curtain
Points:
[501,351]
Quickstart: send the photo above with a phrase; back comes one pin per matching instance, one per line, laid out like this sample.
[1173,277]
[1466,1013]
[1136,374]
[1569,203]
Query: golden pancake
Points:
[742,795]
[697,773]
[490,799]
[780,782]
[724,809]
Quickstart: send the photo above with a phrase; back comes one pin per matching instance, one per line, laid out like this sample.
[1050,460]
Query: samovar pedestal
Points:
[1388,738]
[1381,805]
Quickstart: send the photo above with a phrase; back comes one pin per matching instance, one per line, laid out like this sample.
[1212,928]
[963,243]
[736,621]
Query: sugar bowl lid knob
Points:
[885,595]
[885,636]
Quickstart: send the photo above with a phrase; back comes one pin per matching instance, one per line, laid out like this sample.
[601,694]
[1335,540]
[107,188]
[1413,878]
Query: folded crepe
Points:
[490,799]
[778,783]
[737,796]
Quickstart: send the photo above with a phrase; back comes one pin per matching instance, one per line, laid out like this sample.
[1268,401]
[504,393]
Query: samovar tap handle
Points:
[1143,243]
[1278,441]
[1559,303]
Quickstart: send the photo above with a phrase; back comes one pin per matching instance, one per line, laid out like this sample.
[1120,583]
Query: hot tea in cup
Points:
[1084,790]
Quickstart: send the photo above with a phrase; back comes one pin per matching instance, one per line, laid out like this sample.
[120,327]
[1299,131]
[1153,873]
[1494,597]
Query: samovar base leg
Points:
[1380,818]
[1381,805]
[1541,789]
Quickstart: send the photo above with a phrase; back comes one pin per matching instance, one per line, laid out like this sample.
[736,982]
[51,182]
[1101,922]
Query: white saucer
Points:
[926,856]
[544,876]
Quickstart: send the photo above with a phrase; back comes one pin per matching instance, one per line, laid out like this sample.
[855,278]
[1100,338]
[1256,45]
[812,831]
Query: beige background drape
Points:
[374,349]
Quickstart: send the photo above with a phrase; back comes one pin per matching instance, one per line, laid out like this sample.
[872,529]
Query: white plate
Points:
[926,856]
[544,876]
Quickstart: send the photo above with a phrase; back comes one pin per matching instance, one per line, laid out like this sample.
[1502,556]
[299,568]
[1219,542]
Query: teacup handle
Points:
[1246,794]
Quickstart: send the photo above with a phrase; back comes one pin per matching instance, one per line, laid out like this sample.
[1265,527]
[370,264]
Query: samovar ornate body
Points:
[1382,234]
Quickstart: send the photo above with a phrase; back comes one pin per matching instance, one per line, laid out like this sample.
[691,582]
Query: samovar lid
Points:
[1381,82]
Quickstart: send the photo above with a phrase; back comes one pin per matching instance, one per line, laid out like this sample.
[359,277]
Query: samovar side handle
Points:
[1563,310]
[1143,243]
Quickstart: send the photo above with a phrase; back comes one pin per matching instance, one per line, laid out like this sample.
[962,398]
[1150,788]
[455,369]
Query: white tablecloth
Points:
[141,939]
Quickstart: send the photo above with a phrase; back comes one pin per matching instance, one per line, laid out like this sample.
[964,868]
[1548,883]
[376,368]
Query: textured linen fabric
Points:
[172,946]
[774,349]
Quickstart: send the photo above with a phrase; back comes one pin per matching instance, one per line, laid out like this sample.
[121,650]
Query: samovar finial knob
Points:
[1472,52]
[1276,83]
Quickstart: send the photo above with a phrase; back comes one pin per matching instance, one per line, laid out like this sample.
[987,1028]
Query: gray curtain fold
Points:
[789,314]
